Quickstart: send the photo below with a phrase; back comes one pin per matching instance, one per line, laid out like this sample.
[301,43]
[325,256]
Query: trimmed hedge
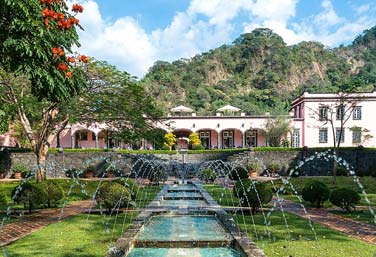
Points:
[208,175]
[252,194]
[130,184]
[29,194]
[316,193]
[124,151]
[238,173]
[54,192]
[113,195]
[345,198]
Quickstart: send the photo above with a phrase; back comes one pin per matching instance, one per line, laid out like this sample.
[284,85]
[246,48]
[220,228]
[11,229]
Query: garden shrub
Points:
[130,184]
[238,173]
[273,168]
[252,194]
[342,171]
[113,195]
[316,193]
[198,147]
[54,192]
[157,175]
[345,198]
[74,173]
[3,198]
[29,194]
[208,175]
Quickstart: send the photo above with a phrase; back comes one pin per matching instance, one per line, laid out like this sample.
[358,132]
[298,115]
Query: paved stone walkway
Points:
[29,224]
[359,230]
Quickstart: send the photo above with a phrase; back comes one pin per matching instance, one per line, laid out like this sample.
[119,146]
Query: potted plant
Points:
[18,170]
[273,168]
[89,171]
[253,168]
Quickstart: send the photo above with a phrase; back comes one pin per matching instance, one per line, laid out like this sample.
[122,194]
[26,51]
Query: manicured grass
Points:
[223,196]
[146,195]
[328,204]
[83,190]
[76,236]
[369,183]
[302,244]
[363,216]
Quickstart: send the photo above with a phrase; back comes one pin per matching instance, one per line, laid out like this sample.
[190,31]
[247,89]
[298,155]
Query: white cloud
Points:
[122,43]
[209,24]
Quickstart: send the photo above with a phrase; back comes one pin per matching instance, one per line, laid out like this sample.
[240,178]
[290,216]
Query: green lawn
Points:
[146,195]
[302,244]
[223,196]
[363,216]
[328,204]
[75,236]
[369,183]
[84,190]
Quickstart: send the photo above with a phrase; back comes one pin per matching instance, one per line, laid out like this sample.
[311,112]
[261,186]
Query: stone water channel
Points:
[184,220]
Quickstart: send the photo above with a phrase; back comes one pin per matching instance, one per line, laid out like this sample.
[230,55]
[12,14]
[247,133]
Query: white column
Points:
[73,140]
[96,140]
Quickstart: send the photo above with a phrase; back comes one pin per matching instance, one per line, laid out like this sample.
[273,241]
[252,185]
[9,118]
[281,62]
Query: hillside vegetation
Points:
[259,73]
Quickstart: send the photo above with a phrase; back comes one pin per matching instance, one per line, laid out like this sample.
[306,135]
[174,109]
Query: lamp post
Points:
[183,152]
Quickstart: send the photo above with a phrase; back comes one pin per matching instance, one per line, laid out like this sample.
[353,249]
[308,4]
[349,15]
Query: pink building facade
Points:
[314,122]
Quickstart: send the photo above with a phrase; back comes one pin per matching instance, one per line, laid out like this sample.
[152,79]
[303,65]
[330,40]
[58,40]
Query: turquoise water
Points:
[183,194]
[183,187]
[184,203]
[184,252]
[183,228]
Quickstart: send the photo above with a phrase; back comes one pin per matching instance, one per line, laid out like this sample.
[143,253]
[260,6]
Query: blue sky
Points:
[133,34]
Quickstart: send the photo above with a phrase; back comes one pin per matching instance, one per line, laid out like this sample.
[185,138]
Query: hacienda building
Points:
[315,119]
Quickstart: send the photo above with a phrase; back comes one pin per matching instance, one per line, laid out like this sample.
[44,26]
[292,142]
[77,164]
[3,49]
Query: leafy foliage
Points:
[277,129]
[170,140]
[26,44]
[113,195]
[208,175]
[345,198]
[238,173]
[316,193]
[194,139]
[252,194]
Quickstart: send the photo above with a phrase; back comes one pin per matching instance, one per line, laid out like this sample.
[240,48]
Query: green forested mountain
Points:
[259,73]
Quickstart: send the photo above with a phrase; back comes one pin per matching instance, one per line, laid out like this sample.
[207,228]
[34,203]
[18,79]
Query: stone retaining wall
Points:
[361,160]
[58,162]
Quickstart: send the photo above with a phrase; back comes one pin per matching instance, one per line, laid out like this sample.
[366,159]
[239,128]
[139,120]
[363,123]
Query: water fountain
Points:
[184,215]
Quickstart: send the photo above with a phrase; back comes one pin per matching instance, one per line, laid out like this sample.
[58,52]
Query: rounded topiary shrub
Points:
[208,175]
[54,192]
[113,195]
[157,175]
[252,194]
[238,173]
[198,147]
[345,198]
[316,193]
[29,194]
[130,184]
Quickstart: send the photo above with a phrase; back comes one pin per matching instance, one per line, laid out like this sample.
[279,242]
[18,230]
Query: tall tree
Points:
[276,129]
[336,115]
[118,100]
[35,36]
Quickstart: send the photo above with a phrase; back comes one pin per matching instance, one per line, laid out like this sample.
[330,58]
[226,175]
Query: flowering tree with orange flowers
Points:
[36,61]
